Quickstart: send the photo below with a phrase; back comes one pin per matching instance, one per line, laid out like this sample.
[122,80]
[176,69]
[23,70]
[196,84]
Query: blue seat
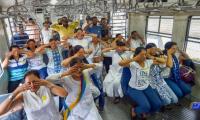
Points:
[98,83]
[126,76]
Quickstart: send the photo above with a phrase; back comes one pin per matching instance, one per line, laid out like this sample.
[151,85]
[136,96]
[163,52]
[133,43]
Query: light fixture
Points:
[53,2]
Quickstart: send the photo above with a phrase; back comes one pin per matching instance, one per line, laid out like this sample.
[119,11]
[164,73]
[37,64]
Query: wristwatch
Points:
[11,97]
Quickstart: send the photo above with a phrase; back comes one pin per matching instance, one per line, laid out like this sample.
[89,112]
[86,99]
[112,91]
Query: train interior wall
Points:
[135,22]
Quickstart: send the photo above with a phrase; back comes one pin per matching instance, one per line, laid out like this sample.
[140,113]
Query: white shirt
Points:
[40,105]
[46,34]
[96,50]
[140,76]
[36,62]
[84,42]
[116,58]
[135,43]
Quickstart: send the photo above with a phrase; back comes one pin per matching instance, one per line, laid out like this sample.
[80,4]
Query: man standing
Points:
[20,38]
[46,33]
[93,27]
[65,30]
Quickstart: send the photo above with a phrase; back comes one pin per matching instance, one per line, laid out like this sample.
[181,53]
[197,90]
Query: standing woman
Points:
[139,90]
[179,87]
[37,98]
[36,61]
[17,66]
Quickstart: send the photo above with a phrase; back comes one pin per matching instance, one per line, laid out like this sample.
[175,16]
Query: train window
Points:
[193,38]
[159,30]
[119,23]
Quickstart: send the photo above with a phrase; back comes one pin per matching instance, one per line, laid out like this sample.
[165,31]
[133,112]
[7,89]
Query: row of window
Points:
[159,31]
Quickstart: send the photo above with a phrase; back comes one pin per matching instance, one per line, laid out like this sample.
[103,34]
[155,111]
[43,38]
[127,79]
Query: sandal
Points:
[133,114]
[116,100]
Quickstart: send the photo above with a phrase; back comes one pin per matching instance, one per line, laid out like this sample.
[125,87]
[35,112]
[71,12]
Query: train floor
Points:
[121,111]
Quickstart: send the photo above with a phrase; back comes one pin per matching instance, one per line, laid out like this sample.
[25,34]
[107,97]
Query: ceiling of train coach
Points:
[108,3]
[101,7]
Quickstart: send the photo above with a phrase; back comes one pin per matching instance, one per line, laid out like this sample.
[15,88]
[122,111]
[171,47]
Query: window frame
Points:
[158,34]
[187,36]
[122,28]
[161,33]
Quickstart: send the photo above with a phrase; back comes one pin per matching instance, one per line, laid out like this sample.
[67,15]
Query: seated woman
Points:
[179,87]
[79,52]
[35,62]
[187,68]
[96,46]
[80,39]
[36,96]
[79,104]
[135,40]
[54,54]
[17,66]
[139,89]
[156,80]
[111,83]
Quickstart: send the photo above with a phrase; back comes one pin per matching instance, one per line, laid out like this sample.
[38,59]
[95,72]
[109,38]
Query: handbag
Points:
[187,74]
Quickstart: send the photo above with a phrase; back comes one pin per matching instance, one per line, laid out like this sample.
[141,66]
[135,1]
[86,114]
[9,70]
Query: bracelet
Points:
[11,97]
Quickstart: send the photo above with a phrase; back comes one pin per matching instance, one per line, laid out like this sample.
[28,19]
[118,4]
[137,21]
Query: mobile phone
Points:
[195,106]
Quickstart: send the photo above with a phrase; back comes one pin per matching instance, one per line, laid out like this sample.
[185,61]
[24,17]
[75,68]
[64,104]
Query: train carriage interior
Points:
[105,30]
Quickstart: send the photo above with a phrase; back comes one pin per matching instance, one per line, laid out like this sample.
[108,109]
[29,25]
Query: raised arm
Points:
[128,41]
[41,49]
[6,60]
[184,55]
[67,61]
[126,62]
[113,44]
[130,49]
[29,54]
[141,38]
[75,24]
[56,90]
[107,49]
[87,26]
[159,60]
[169,62]
[15,98]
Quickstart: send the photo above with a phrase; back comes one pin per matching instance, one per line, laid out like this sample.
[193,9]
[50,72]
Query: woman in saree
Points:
[79,104]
